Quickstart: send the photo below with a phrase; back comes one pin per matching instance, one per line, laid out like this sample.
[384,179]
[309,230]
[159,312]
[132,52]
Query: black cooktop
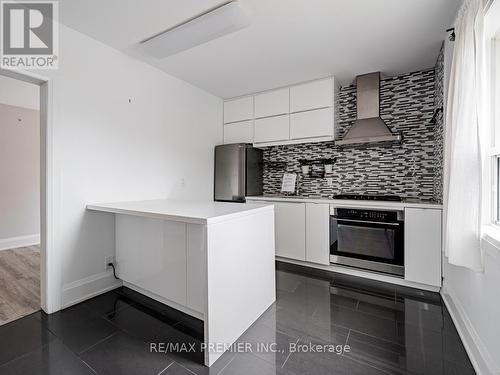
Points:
[368,197]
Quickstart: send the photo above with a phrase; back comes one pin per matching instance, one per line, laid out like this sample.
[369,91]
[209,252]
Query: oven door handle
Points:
[367,221]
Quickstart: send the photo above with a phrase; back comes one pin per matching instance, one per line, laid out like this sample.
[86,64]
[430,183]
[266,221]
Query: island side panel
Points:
[240,276]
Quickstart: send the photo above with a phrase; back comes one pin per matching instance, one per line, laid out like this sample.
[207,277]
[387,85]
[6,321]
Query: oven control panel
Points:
[368,215]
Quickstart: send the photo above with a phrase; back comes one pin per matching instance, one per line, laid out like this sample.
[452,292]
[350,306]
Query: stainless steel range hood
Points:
[368,127]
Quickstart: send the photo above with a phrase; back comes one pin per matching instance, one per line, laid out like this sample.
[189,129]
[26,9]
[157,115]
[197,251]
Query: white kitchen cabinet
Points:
[151,254]
[239,109]
[311,95]
[272,103]
[317,233]
[423,246]
[272,129]
[290,225]
[312,124]
[238,132]
[196,250]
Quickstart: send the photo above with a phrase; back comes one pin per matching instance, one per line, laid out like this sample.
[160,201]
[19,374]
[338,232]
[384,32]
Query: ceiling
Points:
[288,41]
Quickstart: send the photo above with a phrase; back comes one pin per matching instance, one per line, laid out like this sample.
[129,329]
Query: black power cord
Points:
[114,270]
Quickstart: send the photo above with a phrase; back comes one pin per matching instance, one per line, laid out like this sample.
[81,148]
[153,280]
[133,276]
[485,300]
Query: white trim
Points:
[364,274]
[88,287]
[478,353]
[21,241]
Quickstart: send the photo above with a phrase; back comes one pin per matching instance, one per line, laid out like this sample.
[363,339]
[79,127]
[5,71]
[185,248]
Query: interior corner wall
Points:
[122,130]
[19,173]
[471,296]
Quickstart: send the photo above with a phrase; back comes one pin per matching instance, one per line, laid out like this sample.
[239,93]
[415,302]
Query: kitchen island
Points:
[211,260]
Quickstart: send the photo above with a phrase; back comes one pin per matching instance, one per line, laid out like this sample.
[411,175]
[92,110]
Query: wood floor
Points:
[19,283]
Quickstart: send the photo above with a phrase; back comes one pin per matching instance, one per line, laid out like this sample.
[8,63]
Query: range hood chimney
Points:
[368,127]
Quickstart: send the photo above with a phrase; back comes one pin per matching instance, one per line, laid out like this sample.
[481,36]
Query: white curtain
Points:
[465,122]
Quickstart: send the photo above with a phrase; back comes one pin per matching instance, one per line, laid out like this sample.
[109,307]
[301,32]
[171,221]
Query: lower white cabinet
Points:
[272,129]
[290,230]
[238,132]
[317,233]
[423,246]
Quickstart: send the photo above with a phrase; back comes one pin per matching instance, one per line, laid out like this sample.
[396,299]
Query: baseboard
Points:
[21,241]
[478,353]
[88,287]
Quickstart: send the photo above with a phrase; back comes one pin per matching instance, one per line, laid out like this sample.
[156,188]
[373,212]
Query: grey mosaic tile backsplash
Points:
[409,169]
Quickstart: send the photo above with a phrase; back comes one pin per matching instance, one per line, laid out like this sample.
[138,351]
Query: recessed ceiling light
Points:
[212,24]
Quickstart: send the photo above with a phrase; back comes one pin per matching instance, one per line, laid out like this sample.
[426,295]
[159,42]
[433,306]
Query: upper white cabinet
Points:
[423,246]
[272,103]
[272,129]
[318,233]
[238,132]
[311,95]
[312,124]
[238,109]
[296,114]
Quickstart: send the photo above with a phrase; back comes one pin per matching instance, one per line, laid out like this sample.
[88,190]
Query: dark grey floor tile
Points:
[301,326]
[365,323]
[123,355]
[21,337]
[248,364]
[268,344]
[78,327]
[176,369]
[53,358]
[199,368]
[149,329]
[303,360]
[287,281]
[434,344]
[109,303]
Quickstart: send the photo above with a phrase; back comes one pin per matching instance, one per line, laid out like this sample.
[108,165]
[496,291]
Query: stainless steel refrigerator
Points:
[238,172]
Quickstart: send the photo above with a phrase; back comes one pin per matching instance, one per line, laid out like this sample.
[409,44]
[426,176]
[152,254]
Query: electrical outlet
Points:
[107,261]
[329,181]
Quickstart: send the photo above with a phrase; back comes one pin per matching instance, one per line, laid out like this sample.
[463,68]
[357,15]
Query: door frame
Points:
[50,265]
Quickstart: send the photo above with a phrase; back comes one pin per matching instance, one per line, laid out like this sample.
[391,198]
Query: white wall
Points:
[160,145]
[19,171]
[19,93]
[476,298]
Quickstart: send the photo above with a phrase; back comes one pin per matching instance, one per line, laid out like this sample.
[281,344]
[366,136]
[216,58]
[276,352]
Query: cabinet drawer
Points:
[272,129]
[238,132]
[238,109]
[311,95]
[316,123]
[272,103]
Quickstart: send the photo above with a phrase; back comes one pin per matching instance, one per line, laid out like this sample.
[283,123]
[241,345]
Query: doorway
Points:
[19,199]
[26,221]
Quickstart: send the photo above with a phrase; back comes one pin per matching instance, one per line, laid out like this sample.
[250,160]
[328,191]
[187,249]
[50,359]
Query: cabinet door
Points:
[151,254]
[272,103]
[318,233]
[423,246]
[311,124]
[238,109]
[238,132]
[272,129]
[290,228]
[311,95]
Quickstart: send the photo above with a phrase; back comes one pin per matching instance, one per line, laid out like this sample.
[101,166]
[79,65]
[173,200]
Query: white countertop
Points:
[195,212]
[351,203]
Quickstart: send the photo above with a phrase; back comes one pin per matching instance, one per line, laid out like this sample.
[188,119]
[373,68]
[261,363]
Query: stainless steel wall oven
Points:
[368,239]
